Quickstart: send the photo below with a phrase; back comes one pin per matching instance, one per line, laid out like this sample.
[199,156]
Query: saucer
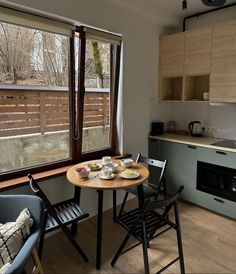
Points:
[101,176]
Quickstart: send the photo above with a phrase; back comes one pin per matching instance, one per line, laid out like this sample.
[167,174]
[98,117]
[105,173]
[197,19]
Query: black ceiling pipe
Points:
[205,12]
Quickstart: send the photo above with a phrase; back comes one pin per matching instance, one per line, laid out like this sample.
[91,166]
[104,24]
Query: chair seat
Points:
[153,223]
[68,212]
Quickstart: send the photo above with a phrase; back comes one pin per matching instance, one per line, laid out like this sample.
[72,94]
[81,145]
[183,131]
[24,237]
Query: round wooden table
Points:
[95,182]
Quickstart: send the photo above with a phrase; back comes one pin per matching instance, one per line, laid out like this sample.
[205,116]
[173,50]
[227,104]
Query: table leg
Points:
[99,229]
[77,198]
[114,205]
[140,195]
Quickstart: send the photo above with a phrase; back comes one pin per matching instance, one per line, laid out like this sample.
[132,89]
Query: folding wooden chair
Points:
[149,189]
[59,216]
[147,224]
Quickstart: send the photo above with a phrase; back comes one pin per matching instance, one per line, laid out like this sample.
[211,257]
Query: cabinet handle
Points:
[219,200]
[221,152]
[192,147]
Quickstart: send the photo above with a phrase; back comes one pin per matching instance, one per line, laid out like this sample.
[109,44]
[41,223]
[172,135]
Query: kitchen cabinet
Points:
[223,68]
[217,157]
[181,167]
[185,65]
[206,63]
[197,52]
[172,55]
[171,59]
[182,170]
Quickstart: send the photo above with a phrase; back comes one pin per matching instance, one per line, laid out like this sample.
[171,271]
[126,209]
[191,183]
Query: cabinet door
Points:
[172,55]
[181,167]
[197,58]
[217,157]
[223,71]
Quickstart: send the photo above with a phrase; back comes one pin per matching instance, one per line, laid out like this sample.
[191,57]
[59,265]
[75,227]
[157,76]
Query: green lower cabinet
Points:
[217,157]
[181,167]
[217,204]
[182,170]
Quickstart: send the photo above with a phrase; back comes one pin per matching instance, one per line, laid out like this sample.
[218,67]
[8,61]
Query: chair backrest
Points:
[161,165]
[165,204]
[39,192]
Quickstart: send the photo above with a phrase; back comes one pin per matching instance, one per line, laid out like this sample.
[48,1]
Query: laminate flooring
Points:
[209,242]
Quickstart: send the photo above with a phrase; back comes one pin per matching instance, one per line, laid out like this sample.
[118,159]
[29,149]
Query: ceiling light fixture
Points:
[210,3]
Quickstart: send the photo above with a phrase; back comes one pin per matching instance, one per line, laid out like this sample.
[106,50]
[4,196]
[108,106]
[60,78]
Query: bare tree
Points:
[16,44]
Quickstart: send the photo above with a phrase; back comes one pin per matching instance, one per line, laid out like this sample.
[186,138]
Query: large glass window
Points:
[34,97]
[96,118]
[58,96]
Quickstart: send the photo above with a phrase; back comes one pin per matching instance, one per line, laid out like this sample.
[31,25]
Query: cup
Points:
[106,172]
[106,160]
[112,166]
[205,96]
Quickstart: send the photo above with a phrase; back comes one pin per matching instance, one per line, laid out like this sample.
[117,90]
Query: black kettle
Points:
[196,129]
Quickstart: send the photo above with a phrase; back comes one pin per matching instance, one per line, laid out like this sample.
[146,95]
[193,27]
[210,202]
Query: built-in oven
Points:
[217,180]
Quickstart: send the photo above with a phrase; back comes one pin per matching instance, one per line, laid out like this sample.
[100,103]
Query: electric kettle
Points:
[196,129]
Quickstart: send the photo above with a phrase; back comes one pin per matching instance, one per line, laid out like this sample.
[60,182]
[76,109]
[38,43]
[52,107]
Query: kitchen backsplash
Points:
[219,120]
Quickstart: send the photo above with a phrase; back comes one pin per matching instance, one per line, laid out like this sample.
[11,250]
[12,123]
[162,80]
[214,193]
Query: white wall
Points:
[218,120]
[140,52]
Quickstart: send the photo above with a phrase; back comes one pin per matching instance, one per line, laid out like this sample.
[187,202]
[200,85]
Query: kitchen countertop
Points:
[189,140]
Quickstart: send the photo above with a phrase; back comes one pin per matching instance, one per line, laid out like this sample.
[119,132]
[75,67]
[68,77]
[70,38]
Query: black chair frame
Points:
[60,215]
[149,190]
[147,224]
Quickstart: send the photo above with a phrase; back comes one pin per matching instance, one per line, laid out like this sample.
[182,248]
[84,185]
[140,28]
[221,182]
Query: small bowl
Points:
[112,166]
[82,172]
[126,162]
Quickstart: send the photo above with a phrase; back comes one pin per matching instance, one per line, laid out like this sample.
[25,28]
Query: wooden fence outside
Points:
[28,111]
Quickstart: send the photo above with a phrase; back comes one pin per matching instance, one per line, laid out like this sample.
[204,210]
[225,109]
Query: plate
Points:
[94,166]
[101,176]
[129,174]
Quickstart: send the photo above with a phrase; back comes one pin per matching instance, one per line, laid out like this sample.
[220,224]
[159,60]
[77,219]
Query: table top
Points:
[93,181]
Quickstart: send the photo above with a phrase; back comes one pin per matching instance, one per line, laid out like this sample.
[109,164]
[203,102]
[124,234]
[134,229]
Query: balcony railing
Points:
[27,111]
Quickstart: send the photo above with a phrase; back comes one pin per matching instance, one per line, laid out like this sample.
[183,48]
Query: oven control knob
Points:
[234,189]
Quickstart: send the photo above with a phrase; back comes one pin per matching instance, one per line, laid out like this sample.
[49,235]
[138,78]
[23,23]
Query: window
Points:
[58,94]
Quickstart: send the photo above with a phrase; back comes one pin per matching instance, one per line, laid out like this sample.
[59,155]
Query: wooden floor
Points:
[209,242]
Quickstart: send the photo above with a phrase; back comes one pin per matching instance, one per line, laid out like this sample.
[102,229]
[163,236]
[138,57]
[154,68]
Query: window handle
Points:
[219,200]
[192,147]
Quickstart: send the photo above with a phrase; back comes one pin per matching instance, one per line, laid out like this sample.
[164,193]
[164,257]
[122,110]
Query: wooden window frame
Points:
[76,154]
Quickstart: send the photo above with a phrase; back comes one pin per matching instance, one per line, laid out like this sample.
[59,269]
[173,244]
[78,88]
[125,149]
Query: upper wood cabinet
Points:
[197,53]
[223,67]
[199,61]
[172,55]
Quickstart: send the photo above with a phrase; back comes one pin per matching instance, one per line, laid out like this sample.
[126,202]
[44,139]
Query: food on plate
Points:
[94,166]
[129,173]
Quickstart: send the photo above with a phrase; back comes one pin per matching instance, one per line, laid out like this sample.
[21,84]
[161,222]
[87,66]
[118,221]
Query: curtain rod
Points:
[38,15]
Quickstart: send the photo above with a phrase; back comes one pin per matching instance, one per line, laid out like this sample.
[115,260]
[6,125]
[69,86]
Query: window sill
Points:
[21,181]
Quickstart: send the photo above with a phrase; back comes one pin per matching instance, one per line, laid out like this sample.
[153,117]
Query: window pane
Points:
[97,120]
[34,97]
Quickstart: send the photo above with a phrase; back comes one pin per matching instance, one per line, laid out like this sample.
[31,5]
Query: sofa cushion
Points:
[13,236]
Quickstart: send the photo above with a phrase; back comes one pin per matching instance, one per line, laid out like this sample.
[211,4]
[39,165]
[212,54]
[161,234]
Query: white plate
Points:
[101,176]
[99,166]
[129,174]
